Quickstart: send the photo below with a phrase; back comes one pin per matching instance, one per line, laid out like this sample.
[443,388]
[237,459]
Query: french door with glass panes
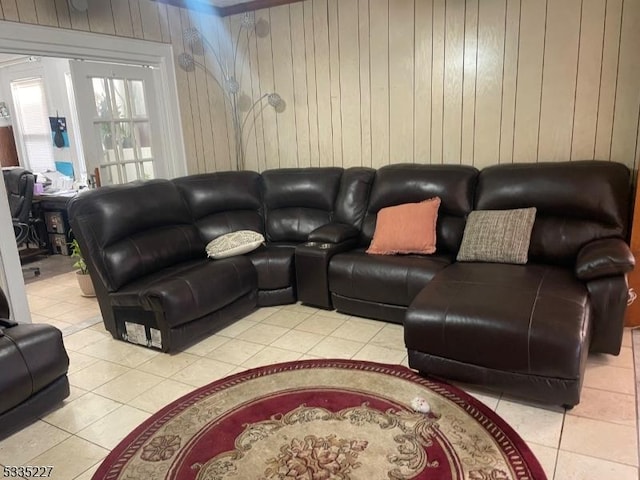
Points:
[119,121]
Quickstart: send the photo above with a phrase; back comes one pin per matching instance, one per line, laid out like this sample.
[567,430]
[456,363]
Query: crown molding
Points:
[207,7]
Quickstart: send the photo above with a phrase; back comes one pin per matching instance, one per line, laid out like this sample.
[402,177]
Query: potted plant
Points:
[84,280]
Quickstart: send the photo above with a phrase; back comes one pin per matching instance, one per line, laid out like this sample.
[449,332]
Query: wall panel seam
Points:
[575,90]
[604,36]
[615,90]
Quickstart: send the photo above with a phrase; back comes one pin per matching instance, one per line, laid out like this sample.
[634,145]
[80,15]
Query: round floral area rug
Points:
[323,420]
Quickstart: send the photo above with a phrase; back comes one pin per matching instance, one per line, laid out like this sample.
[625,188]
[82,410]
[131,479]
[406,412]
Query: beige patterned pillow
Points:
[500,236]
[234,243]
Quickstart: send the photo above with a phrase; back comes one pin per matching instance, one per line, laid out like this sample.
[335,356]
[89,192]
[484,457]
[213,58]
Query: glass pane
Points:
[147,170]
[109,174]
[130,172]
[125,141]
[104,133]
[143,139]
[120,97]
[136,92]
[101,98]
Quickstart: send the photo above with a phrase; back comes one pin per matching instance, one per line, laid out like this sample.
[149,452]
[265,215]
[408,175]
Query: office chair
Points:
[19,185]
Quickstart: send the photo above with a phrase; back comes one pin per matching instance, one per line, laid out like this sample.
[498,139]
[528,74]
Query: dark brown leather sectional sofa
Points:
[525,329]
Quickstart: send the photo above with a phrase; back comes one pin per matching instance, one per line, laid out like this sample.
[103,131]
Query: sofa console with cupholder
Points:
[523,328]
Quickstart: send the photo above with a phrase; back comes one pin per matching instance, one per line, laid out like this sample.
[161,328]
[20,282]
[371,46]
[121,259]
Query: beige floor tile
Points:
[607,406]
[286,318]
[70,458]
[237,370]
[78,361]
[405,362]
[533,424]
[236,328]
[122,353]
[74,392]
[208,344]
[546,456]
[488,398]
[333,314]
[41,303]
[262,333]
[79,314]
[203,372]
[334,347]
[35,318]
[299,307]
[99,327]
[605,440]
[165,365]
[357,330]
[113,427]
[271,355]
[235,351]
[160,396]
[57,310]
[306,356]
[611,379]
[88,474]
[260,314]
[298,341]
[375,353]
[96,374]
[623,360]
[572,466]
[320,324]
[391,336]
[51,321]
[626,337]
[30,442]
[79,340]
[81,412]
[128,386]
[83,302]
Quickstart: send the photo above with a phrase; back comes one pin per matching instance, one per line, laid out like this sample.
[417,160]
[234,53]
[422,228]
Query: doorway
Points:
[22,39]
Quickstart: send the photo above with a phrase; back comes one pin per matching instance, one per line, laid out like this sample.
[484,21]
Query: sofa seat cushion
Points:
[190,290]
[393,280]
[526,319]
[33,357]
[275,265]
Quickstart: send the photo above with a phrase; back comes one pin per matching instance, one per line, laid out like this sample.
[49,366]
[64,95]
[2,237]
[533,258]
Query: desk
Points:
[52,208]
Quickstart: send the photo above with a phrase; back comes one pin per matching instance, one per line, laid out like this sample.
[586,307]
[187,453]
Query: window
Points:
[33,124]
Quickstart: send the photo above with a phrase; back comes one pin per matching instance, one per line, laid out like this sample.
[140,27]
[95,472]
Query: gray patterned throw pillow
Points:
[234,243]
[500,236]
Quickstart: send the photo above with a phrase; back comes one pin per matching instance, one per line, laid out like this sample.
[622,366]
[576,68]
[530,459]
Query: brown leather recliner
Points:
[33,370]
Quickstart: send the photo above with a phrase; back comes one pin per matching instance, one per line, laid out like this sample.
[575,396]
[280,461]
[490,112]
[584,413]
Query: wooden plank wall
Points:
[371,82]
[431,81]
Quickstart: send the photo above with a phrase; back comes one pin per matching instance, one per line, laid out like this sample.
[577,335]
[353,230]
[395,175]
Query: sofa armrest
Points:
[604,258]
[334,233]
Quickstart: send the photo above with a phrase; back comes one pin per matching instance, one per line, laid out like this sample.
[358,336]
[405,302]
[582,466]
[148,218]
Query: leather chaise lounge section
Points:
[525,329]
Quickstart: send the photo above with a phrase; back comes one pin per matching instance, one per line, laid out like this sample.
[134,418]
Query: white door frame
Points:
[57,42]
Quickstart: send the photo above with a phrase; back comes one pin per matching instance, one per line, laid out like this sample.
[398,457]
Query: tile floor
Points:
[115,386]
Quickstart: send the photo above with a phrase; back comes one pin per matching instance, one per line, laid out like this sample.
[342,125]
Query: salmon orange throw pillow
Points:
[407,228]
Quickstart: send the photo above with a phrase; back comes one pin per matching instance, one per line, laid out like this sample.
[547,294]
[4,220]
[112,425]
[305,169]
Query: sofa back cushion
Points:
[353,196]
[576,202]
[298,200]
[223,202]
[411,183]
[128,231]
